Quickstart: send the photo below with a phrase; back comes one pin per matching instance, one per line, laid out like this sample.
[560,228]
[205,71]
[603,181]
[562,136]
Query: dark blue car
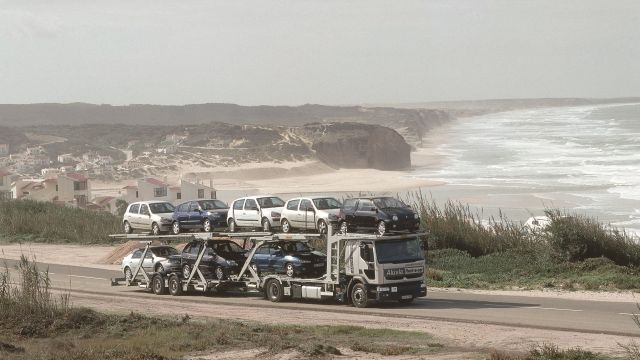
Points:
[293,258]
[202,215]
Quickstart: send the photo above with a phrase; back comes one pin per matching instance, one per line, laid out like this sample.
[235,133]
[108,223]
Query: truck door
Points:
[366,263]
[307,214]
[251,214]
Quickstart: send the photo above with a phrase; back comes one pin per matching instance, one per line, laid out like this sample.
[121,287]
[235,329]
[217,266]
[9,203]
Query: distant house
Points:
[5,185]
[130,194]
[35,189]
[50,172]
[154,189]
[65,158]
[192,190]
[4,149]
[74,188]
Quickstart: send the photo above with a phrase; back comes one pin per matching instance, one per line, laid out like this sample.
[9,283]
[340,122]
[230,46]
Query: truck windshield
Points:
[399,251]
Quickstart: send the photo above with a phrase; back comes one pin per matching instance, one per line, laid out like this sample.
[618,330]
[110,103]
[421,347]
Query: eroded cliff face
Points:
[356,145]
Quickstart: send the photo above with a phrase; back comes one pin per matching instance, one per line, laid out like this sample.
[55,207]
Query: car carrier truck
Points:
[360,269]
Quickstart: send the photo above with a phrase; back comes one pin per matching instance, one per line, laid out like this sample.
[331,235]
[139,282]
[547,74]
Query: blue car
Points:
[204,215]
[293,258]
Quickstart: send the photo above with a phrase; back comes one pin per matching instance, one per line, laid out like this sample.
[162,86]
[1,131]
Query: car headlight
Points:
[395,218]
[415,216]
[383,288]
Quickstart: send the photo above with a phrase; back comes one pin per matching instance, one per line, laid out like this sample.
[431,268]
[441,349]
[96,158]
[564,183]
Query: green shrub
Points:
[46,222]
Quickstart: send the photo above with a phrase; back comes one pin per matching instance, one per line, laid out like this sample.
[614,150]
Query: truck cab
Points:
[386,269]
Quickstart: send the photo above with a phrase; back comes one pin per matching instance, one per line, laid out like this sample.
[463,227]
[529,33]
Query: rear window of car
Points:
[293,204]
[134,208]
[349,204]
[238,204]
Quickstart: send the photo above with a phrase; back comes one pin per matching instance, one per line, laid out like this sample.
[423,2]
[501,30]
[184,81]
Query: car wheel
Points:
[206,225]
[286,227]
[127,228]
[186,271]
[175,285]
[322,227]
[128,275]
[232,225]
[158,285]
[406,301]
[219,273]
[159,268]
[359,296]
[381,228]
[344,228]
[175,228]
[155,229]
[266,225]
[274,291]
[289,270]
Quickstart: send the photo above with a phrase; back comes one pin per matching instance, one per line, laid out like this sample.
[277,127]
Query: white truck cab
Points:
[262,211]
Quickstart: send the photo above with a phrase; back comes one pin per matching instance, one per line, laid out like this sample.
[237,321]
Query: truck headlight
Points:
[395,218]
[423,285]
[383,288]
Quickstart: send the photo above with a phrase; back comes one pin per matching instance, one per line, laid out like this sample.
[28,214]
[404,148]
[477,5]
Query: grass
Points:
[38,325]
[26,220]
[549,352]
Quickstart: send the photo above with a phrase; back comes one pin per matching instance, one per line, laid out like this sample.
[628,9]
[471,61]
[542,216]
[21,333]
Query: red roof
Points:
[155,182]
[76,176]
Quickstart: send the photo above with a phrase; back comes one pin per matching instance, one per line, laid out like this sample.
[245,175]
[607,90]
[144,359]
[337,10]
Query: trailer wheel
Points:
[274,291]
[359,296]
[158,285]
[175,285]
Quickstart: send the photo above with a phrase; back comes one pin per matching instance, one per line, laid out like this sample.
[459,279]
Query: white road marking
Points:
[627,314]
[89,277]
[548,308]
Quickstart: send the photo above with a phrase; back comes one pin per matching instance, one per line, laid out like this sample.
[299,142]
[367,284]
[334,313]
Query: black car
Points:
[202,215]
[381,214]
[221,258]
[293,258]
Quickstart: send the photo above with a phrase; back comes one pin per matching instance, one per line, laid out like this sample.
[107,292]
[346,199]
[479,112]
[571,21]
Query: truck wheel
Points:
[158,285]
[359,296]
[274,291]
[286,227]
[232,225]
[266,225]
[175,285]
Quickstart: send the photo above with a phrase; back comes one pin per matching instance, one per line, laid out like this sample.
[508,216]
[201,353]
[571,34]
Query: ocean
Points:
[581,159]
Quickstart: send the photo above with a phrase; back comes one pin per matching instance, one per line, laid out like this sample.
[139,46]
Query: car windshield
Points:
[212,205]
[327,203]
[270,202]
[164,251]
[399,251]
[295,247]
[388,202]
[160,208]
[226,247]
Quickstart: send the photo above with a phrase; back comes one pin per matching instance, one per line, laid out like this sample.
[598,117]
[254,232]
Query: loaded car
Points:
[202,215]
[293,258]
[310,213]
[381,214]
[154,216]
[221,258]
[156,260]
[255,212]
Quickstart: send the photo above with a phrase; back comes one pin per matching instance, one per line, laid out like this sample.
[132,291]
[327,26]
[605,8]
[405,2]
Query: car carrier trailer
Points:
[360,269]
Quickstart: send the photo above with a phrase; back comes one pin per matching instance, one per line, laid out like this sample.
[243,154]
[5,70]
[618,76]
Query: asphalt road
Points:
[521,311]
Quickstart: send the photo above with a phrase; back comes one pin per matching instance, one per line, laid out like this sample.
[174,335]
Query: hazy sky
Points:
[303,51]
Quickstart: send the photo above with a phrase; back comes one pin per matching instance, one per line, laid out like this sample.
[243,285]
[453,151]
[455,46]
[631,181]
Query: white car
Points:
[153,216]
[156,260]
[261,211]
[310,213]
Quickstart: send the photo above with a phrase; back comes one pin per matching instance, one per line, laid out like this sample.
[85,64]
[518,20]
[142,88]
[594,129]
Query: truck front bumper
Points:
[400,291]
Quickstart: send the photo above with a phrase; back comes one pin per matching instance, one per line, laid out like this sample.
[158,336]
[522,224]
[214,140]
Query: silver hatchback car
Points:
[153,216]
